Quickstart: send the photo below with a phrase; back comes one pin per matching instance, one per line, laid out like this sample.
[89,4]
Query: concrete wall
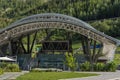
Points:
[109,51]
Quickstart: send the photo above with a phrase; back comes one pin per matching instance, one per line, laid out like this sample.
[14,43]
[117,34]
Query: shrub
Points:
[12,68]
[1,71]
[70,61]
[99,67]
[46,70]
[85,66]
[7,67]
[3,65]
[111,66]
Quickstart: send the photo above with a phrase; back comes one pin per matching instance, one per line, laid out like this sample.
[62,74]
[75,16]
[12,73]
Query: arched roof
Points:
[67,18]
[53,17]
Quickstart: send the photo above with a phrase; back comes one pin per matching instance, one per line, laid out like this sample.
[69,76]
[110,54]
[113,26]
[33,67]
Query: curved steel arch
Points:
[58,21]
[52,20]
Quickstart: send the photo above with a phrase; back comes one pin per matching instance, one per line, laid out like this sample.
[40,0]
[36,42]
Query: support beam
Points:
[28,43]
[83,45]
[33,42]
[10,47]
[23,47]
[18,46]
[99,53]
[69,37]
[88,49]
[94,50]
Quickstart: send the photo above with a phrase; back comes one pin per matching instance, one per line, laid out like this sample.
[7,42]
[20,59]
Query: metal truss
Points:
[61,46]
[52,20]
[56,21]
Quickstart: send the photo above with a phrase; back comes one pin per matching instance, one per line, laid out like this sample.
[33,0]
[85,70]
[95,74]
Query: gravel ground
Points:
[11,75]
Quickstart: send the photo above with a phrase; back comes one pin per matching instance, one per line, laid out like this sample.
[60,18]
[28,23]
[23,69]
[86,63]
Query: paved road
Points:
[103,76]
[11,75]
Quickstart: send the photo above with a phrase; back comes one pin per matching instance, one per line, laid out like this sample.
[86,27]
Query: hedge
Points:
[108,67]
[7,67]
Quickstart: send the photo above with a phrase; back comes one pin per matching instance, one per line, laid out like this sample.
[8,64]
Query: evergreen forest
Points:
[104,15]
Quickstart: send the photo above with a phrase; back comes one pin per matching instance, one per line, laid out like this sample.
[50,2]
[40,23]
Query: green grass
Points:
[53,75]
[76,45]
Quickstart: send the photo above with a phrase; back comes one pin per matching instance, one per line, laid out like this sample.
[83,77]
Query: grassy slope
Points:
[76,45]
[52,75]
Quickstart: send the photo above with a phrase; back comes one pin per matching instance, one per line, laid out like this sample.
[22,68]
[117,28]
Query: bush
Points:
[111,66]
[46,70]
[70,61]
[85,66]
[3,65]
[7,67]
[12,68]
[99,67]
[1,71]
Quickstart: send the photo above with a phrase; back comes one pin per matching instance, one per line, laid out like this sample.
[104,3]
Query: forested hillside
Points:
[91,11]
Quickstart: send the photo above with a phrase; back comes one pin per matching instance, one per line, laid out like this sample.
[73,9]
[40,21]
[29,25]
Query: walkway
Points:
[11,75]
[103,76]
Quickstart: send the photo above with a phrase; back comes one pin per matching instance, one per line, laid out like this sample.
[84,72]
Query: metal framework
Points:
[56,21]
[61,46]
